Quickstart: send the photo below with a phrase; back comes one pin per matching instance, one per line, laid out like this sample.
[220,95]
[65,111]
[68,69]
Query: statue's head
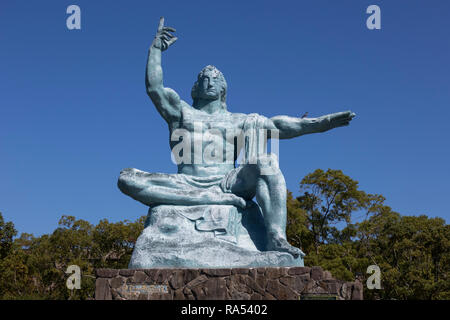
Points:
[210,85]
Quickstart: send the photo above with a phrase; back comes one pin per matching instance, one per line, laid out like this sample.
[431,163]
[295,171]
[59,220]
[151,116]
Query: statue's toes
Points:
[293,250]
[238,201]
[296,252]
[280,244]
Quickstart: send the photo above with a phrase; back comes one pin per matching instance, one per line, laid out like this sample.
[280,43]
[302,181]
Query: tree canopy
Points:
[34,267]
[412,252]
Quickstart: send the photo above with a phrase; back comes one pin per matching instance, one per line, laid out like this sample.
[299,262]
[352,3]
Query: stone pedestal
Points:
[206,236]
[283,283]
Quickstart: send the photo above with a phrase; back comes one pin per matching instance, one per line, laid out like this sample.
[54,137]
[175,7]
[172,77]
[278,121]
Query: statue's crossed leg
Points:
[244,182]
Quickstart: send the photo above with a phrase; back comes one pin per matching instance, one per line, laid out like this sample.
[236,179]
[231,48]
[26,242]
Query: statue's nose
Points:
[207,83]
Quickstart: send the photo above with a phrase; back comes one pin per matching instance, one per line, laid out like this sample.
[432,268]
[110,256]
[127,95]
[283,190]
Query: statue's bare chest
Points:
[216,130]
[194,120]
[219,124]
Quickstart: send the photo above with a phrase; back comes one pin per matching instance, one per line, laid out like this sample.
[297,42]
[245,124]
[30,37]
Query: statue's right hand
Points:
[164,39]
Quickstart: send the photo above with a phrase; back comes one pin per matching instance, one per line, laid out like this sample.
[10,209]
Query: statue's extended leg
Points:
[158,188]
[269,186]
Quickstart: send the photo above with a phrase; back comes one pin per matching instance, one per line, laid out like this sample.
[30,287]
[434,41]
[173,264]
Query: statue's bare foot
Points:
[215,195]
[277,243]
[235,200]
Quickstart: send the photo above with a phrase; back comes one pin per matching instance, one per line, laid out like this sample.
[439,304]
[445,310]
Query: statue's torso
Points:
[215,134]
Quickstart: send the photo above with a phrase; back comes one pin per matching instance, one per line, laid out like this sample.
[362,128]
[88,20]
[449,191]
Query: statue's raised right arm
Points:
[166,100]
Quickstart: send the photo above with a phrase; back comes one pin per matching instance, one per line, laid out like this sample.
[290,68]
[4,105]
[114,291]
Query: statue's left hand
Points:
[338,119]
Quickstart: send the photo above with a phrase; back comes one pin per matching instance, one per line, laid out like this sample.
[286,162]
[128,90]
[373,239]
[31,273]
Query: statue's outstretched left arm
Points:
[291,127]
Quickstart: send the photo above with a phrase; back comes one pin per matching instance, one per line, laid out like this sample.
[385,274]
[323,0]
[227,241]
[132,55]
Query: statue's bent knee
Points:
[125,181]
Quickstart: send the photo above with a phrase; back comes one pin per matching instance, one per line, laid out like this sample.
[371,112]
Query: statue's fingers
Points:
[171,41]
[342,122]
[161,24]
[170,29]
[168,34]
[343,115]
[164,44]
[337,115]
[350,116]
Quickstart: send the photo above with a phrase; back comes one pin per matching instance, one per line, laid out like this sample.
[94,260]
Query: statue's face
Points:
[209,86]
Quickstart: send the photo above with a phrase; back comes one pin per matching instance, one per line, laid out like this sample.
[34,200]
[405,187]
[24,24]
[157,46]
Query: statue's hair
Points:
[217,74]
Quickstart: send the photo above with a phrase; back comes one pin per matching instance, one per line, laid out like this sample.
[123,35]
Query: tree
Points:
[412,252]
[114,242]
[34,267]
[14,278]
[7,233]
[297,230]
[329,198]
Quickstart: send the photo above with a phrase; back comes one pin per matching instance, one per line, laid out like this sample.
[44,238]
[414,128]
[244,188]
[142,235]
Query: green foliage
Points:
[7,233]
[329,198]
[412,252]
[34,267]
[297,222]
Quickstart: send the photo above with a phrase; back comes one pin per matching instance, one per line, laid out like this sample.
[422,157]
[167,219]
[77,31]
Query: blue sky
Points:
[74,112]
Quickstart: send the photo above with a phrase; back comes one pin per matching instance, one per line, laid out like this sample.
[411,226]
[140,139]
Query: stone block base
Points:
[284,283]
